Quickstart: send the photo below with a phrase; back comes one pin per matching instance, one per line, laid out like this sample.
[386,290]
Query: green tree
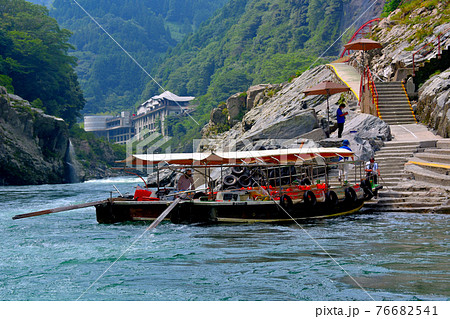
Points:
[33,53]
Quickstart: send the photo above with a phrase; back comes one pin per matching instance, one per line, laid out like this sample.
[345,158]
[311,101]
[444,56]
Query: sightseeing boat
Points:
[271,186]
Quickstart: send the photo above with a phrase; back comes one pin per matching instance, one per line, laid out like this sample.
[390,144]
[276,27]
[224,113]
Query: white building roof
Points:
[172,97]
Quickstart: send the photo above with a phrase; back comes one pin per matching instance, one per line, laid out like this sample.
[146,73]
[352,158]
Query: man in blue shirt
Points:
[340,115]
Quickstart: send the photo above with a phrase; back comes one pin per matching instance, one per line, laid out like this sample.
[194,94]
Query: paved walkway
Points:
[349,75]
[412,133]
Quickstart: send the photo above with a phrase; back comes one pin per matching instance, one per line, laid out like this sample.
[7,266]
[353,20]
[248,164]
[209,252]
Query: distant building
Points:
[120,129]
[150,115]
[117,129]
[96,124]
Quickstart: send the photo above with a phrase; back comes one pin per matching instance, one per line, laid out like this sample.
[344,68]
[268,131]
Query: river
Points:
[64,256]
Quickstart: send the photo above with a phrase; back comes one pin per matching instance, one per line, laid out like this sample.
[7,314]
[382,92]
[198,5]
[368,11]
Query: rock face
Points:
[366,134]
[281,114]
[433,106]
[394,61]
[33,145]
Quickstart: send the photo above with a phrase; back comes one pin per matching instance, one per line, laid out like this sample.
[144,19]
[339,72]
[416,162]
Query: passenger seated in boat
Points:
[186,181]
[372,171]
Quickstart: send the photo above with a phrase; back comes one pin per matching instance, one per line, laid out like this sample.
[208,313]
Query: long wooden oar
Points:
[164,214]
[59,209]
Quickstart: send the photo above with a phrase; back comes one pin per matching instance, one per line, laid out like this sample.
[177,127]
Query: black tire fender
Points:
[230,180]
[245,180]
[331,199]
[238,170]
[350,195]
[286,202]
[309,198]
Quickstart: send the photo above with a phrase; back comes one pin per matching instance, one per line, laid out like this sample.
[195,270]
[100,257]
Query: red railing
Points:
[361,32]
[373,90]
[438,37]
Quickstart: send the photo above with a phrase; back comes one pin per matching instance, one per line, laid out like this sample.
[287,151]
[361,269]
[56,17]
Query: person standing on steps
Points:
[340,115]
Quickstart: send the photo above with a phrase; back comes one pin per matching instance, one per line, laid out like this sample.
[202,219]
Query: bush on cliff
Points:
[33,54]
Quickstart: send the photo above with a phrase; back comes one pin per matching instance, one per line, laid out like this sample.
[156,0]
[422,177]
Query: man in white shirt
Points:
[372,170]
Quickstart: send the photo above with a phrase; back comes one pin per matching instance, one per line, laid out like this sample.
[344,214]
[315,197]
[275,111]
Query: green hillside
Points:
[110,80]
[248,42]
[34,62]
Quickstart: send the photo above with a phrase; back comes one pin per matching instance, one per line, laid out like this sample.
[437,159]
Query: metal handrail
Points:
[373,90]
[438,37]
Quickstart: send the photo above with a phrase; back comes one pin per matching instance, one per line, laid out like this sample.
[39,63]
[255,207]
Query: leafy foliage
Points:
[389,6]
[33,55]
[111,81]
[91,150]
[247,42]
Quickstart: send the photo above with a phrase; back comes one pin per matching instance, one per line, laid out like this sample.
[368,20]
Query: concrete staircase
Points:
[432,165]
[393,103]
[399,194]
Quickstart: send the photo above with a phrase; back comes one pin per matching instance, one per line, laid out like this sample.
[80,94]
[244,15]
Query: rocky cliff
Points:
[281,116]
[33,145]
[36,148]
[428,86]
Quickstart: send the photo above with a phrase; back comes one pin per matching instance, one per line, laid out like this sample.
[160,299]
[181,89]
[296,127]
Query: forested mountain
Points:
[34,63]
[110,80]
[255,41]
[46,3]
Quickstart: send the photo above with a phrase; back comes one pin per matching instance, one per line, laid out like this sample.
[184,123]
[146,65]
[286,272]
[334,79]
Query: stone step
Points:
[445,143]
[439,151]
[406,204]
[390,92]
[405,193]
[399,122]
[422,189]
[392,100]
[384,153]
[393,159]
[385,172]
[392,177]
[384,209]
[401,144]
[389,84]
[390,116]
[434,158]
[391,104]
[391,166]
[395,111]
[423,174]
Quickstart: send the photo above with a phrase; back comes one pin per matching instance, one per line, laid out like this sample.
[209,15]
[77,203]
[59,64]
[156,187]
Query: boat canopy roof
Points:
[277,156]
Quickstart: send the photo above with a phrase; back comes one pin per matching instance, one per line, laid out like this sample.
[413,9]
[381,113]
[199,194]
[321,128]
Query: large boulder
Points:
[433,106]
[33,146]
[366,134]
[236,105]
[252,92]
[218,116]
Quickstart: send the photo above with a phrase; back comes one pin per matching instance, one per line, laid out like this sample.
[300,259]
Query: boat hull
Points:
[196,211]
